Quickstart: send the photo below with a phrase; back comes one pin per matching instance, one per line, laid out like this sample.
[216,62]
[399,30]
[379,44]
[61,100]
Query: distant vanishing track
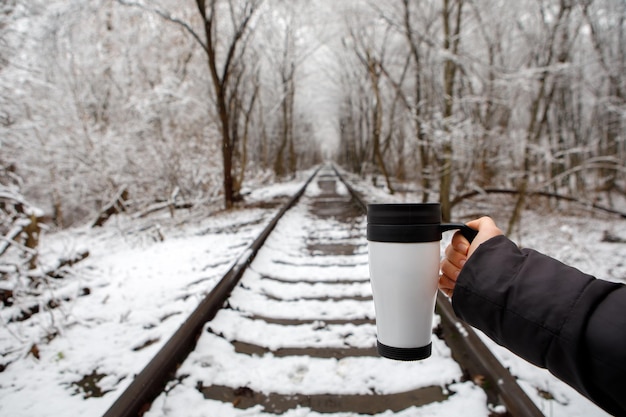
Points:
[296,279]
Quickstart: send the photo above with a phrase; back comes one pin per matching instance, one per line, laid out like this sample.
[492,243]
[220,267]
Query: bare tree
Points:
[540,105]
[355,115]
[608,38]
[226,34]
[415,41]
[287,71]
[372,56]
[292,37]
[241,16]
[451,41]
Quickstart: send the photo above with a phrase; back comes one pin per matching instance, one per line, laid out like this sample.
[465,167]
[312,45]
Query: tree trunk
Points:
[221,81]
[451,44]
[279,163]
[422,139]
[292,158]
[378,122]
[246,130]
[227,151]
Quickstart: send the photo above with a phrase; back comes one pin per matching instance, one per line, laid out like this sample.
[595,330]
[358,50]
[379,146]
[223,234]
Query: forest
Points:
[143,104]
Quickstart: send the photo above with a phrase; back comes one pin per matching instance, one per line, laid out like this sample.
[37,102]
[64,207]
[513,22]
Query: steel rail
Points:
[150,382]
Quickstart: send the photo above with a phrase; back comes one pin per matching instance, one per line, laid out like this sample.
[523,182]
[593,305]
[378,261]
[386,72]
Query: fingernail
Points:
[462,262]
[462,247]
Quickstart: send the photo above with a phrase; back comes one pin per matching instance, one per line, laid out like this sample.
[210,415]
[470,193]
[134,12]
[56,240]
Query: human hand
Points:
[459,250]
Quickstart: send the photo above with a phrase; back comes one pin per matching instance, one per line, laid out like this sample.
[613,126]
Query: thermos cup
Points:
[404,257]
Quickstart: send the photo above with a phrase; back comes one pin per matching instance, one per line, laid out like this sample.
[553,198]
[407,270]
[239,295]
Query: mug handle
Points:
[467,232]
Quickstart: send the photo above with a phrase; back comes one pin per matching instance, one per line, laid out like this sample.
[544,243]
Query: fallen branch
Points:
[610,237]
[60,272]
[114,207]
[474,193]
[162,206]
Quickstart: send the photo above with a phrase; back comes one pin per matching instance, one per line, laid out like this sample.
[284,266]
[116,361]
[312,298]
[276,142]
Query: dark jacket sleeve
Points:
[550,314]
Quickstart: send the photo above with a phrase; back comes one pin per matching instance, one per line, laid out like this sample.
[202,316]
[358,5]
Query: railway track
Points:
[290,330]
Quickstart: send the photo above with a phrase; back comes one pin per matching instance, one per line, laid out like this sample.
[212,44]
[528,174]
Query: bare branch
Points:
[250,9]
[165,15]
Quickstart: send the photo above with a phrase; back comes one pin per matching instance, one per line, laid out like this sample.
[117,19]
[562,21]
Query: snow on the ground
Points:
[134,289]
[140,291]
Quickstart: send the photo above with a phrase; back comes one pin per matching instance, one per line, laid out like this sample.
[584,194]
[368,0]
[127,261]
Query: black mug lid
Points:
[408,223]
[404,214]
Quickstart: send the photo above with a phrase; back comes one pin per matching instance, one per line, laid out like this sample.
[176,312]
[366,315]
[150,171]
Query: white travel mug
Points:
[404,259]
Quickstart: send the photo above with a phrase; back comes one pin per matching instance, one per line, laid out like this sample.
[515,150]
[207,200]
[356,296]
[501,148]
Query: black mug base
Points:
[405,354]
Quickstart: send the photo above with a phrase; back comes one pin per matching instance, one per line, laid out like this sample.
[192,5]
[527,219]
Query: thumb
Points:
[486,228]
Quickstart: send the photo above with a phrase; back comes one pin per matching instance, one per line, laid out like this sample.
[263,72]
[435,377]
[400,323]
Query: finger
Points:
[450,270]
[454,256]
[460,243]
[446,283]
[487,229]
